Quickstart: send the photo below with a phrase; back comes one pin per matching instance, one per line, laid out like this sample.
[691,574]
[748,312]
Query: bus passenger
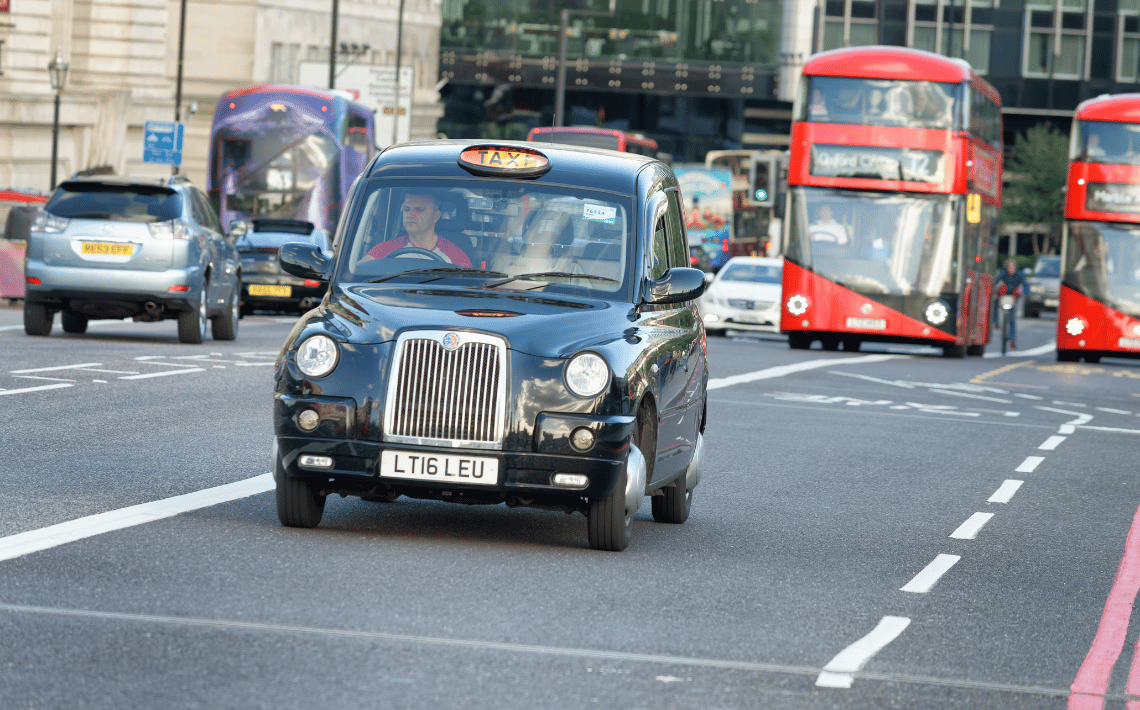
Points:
[419,214]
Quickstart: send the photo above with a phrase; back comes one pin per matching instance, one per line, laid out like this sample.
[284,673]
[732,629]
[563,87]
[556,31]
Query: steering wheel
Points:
[413,253]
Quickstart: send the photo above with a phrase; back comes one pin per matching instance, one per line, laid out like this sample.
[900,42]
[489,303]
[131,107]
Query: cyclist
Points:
[1010,280]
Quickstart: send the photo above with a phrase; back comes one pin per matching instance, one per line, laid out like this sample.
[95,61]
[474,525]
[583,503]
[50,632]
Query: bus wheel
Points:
[954,351]
[851,345]
[829,343]
[1068,356]
[1092,359]
[799,341]
[976,350]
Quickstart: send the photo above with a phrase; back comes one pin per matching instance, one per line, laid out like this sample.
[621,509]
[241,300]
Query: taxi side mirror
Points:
[677,285]
[304,261]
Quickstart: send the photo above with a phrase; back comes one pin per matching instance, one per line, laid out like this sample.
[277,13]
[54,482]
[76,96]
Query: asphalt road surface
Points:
[887,528]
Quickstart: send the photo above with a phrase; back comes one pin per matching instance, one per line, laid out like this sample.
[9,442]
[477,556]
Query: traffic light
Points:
[762,176]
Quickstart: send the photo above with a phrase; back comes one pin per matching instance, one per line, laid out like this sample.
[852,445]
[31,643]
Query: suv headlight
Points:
[47,222]
[587,374]
[317,356]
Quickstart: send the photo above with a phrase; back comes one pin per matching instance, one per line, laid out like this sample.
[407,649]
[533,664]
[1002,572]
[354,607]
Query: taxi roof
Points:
[594,168]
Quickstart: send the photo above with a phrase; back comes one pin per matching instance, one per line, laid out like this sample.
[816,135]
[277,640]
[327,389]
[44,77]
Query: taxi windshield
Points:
[507,235]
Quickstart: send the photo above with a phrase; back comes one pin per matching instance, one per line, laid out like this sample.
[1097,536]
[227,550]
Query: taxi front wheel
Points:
[609,521]
[298,505]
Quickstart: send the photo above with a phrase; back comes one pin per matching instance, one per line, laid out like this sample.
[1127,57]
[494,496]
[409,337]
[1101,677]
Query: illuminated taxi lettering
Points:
[504,160]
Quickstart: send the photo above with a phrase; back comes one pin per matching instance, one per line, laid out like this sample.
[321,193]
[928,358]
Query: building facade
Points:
[123,63]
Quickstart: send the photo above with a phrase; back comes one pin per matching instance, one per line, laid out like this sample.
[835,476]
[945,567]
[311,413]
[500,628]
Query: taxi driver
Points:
[419,214]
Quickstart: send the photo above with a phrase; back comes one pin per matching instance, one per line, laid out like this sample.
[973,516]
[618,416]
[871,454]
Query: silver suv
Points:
[144,248]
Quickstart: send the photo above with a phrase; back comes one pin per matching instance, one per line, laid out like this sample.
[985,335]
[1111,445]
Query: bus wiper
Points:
[442,270]
[551,275]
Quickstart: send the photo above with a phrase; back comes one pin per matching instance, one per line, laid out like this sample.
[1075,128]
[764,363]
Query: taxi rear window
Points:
[496,226]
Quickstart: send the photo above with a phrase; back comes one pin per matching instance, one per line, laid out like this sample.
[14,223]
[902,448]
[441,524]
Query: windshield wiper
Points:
[443,270]
[551,275]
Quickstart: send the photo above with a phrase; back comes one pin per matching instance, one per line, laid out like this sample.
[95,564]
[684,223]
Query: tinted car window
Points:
[129,203]
[1048,267]
[878,102]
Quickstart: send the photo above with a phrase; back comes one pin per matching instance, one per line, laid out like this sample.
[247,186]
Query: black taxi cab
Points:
[507,323]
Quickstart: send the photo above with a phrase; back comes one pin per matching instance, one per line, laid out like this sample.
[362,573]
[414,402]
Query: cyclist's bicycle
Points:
[1007,302]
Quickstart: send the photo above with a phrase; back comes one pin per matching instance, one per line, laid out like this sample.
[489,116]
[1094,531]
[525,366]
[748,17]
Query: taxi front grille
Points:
[447,397]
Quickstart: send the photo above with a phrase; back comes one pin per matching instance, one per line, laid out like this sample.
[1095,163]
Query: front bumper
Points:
[725,317]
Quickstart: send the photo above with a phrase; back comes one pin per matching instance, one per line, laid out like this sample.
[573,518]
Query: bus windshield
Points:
[1102,261]
[275,179]
[879,102]
[875,243]
[1106,142]
[527,236]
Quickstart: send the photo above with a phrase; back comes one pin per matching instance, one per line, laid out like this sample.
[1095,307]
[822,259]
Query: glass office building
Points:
[695,75]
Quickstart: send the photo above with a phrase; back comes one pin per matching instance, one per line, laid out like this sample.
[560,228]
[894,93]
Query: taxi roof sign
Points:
[504,161]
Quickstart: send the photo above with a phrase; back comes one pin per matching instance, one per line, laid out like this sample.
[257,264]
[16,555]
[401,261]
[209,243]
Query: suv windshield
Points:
[522,236]
[1048,267]
[127,203]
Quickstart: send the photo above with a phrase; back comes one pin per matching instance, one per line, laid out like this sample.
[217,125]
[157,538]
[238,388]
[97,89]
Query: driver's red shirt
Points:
[443,247]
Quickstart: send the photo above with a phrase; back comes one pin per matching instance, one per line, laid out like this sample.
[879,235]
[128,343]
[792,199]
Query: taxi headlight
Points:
[317,356]
[587,374]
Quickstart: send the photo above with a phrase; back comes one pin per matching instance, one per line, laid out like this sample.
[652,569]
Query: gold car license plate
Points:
[269,290]
[441,468]
[107,248]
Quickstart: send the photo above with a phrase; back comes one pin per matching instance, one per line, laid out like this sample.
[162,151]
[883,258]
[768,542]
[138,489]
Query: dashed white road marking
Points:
[1005,493]
[1069,404]
[110,372]
[50,379]
[1027,396]
[1112,429]
[55,368]
[41,388]
[26,543]
[1067,429]
[838,672]
[925,580]
[164,373]
[1051,443]
[1112,411]
[973,525]
[1030,464]
[975,396]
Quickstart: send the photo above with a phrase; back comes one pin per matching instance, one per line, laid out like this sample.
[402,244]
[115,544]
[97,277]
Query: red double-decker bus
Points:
[894,186]
[1099,309]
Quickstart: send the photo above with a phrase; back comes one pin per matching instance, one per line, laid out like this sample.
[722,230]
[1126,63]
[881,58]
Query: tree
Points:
[1037,167]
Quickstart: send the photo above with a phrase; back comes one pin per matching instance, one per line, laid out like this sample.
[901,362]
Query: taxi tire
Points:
[674,504]
[73,322]
[37,319]
[609,525]
[225,326]
[192,324]
[298,505]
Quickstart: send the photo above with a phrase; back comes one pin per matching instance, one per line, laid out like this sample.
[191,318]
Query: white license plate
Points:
[749,318]
[443,468]
[867,323]
[1052,302]
[1129,342]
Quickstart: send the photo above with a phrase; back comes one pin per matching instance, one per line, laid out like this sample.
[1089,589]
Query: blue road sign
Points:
[162,142]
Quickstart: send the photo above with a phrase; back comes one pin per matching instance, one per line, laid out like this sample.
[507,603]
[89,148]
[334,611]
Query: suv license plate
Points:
[477,470]
[268,290]
[107,248]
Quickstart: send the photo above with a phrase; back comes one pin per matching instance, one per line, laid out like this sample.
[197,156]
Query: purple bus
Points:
[287,152]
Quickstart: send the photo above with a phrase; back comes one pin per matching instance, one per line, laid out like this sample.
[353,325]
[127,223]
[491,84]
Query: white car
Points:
[744,295]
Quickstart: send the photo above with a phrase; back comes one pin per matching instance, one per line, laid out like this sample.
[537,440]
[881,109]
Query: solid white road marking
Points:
[55,368]
[1032,352]
[162,374]
[925,580]
[973,525]
[781,370]
[1005,493]
[45,538]
[1027,396]
[1112,429]
[837,673]
[41,388]
[1112,411]
[1029,464]
[974,396]
[1051,443]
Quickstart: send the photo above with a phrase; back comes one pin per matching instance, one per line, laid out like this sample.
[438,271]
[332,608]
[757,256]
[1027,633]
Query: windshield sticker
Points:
[600,213]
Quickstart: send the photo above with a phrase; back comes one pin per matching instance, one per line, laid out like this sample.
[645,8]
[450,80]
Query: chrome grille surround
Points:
[447,397]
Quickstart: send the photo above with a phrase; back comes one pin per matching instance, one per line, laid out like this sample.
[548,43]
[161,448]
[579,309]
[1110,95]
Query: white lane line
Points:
[162,374]
[1027,396]
[26,543]
[781,370]
[1051,443]
[1067,429]
[838,672]
[54,369]
[41,388]
[974,396]
[1081,419]
[973,525]
[1112,411]
[1030,464]
[164,364]
[111,372]
[1005,493]
[1069,404]
[1032,352]
[1112,429]
[925,580]
[252,364]
[49,379]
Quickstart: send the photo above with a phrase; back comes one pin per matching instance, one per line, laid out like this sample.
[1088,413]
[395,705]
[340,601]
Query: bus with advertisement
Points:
[1099,310]
[707,196]
[287,152]
[894,187]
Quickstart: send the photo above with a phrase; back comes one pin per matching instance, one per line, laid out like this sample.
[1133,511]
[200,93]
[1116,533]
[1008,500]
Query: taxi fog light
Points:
[571,480]
[582,439]
[587,374]
[317,356]
[314,461]
[308,419]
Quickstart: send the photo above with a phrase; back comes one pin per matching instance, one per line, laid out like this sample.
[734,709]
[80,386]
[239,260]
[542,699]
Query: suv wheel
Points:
[192,324]
[225,326]
[37,318]
[73,322]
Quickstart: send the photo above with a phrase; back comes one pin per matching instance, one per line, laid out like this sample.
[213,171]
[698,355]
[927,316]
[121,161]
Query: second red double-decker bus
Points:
[894,186]
[1099,310]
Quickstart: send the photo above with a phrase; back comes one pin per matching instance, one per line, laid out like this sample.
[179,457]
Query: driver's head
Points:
[419,213]
[824,213]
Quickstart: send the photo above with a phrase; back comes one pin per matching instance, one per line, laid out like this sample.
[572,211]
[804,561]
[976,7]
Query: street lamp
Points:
[57,72]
